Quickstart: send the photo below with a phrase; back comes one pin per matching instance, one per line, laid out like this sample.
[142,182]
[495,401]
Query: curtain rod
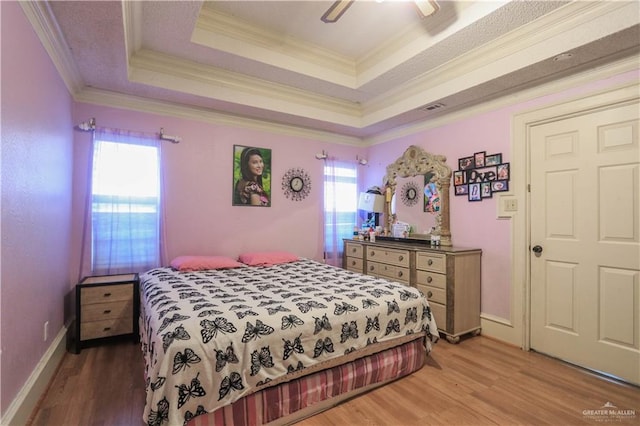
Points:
[90,126]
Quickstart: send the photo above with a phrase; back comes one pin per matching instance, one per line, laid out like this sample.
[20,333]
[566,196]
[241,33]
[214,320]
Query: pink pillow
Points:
[267,258]
[198,263]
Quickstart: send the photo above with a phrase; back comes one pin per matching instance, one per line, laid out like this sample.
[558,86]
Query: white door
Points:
[585,226]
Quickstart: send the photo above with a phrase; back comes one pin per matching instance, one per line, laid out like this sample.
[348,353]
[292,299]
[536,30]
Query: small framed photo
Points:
[503,171]
[465,163]
[485,190]
[492,160]
[478,159]
[499,186]
[474,192]
[459,178]
[462,189]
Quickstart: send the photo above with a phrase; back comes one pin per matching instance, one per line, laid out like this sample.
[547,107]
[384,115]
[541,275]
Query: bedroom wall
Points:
[200,219]
[36,201]
[475,224]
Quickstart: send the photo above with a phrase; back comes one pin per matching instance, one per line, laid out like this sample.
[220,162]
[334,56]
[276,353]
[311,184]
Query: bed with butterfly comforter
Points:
[252,345]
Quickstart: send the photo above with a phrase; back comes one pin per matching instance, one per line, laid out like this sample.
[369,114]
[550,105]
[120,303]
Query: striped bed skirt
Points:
[302,397]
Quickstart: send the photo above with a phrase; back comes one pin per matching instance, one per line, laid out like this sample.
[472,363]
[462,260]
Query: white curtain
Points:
[340,207]
[122,230]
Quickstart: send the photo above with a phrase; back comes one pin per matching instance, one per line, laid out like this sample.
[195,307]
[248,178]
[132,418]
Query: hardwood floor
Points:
[476,382]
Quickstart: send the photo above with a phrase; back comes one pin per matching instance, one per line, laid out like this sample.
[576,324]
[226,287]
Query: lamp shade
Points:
[371,202]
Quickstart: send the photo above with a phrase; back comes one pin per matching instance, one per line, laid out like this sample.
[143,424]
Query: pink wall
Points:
[36,200]
[474,224]
[198,186]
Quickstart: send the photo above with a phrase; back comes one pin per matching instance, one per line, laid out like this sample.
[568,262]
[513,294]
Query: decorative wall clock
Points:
[409,193]
[296,184]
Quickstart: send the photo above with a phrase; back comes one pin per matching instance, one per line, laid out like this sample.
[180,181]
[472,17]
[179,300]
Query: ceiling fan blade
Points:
[335,11]
[426,7]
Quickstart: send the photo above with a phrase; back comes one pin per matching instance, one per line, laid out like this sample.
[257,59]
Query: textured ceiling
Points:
[369,73]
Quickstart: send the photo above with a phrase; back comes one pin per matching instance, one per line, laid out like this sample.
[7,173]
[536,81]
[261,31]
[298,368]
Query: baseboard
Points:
[500,329]
[36,385]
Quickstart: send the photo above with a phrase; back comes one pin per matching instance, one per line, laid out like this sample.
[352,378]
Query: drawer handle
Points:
[430,262]
[372,253]
[399,273]
[353,250]
[371,268]
[429,294]
[400,258]
[353,263]
[106,329]
[108,311]
[429,279]
[106,295]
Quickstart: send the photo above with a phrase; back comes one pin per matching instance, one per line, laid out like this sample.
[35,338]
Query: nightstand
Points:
[107,306]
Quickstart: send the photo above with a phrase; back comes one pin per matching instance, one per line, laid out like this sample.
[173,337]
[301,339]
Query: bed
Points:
[251,345]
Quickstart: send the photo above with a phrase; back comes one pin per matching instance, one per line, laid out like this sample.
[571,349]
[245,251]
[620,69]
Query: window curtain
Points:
[123,228]
[340,207]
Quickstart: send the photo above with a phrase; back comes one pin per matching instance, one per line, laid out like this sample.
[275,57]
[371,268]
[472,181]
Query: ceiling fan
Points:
[338,8]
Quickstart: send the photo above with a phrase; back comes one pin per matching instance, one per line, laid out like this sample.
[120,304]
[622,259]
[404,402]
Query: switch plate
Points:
[507,206]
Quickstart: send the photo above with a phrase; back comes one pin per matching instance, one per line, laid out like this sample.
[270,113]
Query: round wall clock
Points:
[296,184]
[409,193]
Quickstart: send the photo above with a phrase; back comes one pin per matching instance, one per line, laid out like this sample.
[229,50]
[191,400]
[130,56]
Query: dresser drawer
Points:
[354,264]
[435,262]
[391,272]
[353,250]
[438,295]
[104,294]
[390,256]
[440,313]
[107,311]
[106,328]
[431,279]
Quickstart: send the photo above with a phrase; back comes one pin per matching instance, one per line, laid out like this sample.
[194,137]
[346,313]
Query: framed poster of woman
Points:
[251,176]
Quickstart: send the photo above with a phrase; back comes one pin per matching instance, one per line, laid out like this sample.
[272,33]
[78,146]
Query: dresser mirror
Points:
[428,172]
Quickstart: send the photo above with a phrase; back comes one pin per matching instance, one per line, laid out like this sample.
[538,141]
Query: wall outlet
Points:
[46,331]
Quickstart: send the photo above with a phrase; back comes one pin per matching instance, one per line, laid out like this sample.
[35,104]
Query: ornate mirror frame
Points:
[416,161]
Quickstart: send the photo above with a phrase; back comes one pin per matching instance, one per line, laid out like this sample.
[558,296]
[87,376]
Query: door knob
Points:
[537,249]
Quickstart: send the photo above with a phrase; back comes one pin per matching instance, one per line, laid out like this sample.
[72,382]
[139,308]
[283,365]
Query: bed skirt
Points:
[294,400]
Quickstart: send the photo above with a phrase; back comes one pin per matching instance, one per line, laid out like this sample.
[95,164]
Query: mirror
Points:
[429,173]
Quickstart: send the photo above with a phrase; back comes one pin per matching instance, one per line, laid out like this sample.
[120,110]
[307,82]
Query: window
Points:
[340,207]
[125,205]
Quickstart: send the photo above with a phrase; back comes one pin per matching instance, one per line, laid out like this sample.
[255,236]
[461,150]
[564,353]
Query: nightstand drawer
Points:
[390,256]
[107,311]
[438,295]
[432,262]
[106,328]
[102,294]
[431,279]
[353,250]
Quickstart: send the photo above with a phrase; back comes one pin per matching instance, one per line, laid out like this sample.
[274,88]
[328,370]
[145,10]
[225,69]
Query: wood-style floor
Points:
[476,382]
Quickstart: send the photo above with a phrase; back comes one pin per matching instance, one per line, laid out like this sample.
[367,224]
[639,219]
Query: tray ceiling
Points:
[380,67]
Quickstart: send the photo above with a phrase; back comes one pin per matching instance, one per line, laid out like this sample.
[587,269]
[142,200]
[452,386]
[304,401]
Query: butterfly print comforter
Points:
[211,337]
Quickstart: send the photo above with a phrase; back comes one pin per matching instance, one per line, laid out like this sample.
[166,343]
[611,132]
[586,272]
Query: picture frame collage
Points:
[480,175]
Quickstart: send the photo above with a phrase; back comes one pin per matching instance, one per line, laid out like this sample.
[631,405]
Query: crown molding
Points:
[564,29]
[165,71]
[135,103]
[226,33]
[46,27]
[556,86]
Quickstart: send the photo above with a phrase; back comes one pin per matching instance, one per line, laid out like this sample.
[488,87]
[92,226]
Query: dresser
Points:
[448,276]
[106,306]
